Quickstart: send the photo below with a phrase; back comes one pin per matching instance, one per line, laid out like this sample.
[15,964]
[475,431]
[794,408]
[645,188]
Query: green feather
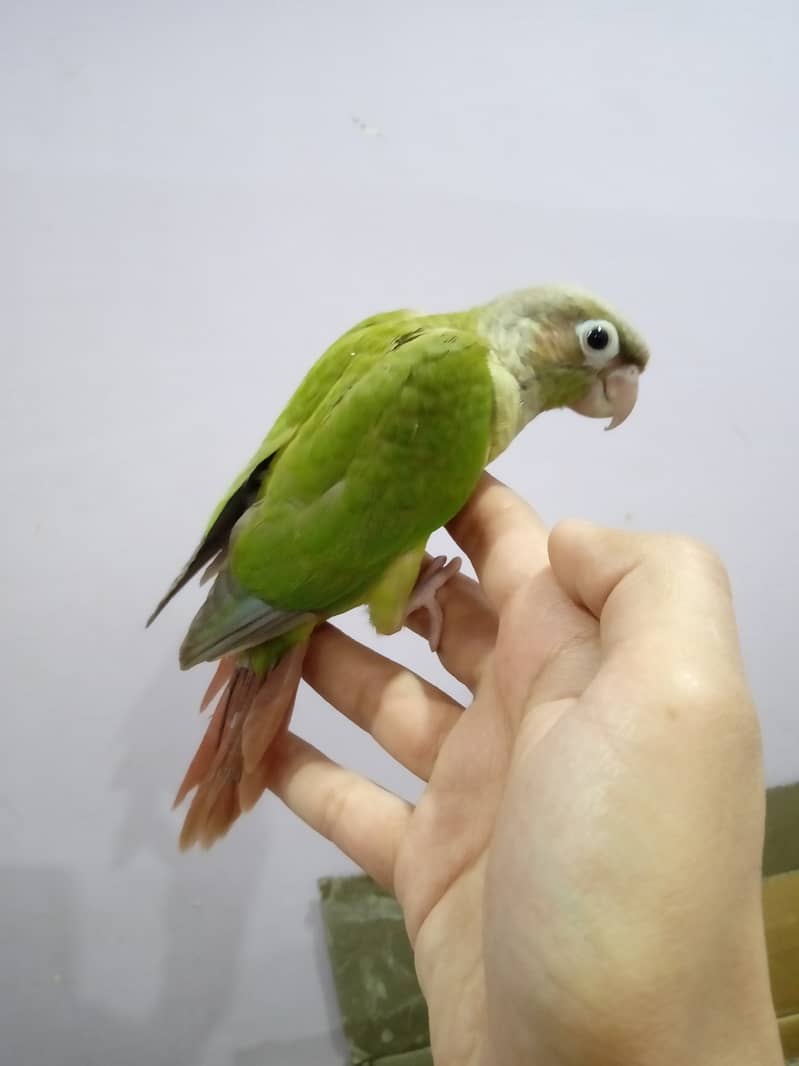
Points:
[381,444]
[391,453]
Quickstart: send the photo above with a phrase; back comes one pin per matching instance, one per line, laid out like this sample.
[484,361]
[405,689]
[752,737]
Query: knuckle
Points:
[697,554]
[334,815]
[417,723]
[423,747]
[693,690]
[711,694]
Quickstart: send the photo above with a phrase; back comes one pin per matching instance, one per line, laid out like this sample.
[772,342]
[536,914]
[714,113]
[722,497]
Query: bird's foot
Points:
[434,575]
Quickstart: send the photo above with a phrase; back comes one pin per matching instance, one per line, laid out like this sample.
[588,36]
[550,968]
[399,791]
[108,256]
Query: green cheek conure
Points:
[381,444]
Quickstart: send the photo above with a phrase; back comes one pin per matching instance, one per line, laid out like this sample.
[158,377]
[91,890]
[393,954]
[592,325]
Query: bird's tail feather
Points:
[230,769]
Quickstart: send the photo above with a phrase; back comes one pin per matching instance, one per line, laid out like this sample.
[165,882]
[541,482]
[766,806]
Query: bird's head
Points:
[568,349]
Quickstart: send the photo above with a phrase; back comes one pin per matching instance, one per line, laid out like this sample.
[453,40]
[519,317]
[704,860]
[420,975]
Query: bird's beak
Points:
[612,395]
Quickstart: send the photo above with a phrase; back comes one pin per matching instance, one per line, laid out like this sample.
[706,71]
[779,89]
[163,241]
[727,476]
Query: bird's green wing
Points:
[245,488]
[316,384]
[391,454]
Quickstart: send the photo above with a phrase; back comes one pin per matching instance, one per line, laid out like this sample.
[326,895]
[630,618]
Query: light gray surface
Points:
[188,213]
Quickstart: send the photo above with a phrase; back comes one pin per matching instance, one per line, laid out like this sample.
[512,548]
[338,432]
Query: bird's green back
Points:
[390,453]
[325,384]
[317,383]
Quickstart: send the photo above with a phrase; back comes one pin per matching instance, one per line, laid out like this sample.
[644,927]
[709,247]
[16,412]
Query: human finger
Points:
[469,629]
[408,717]
[362,819]
[503,537]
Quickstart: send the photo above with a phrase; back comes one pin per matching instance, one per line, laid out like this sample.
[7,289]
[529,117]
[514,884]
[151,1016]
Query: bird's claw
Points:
[432,578]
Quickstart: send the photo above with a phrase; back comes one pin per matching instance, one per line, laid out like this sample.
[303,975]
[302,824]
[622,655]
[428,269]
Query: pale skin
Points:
[580,878]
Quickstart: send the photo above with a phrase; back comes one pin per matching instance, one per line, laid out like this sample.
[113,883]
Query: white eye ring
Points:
[599,341]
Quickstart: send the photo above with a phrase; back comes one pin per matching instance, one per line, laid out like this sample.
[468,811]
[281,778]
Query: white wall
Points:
[188,213]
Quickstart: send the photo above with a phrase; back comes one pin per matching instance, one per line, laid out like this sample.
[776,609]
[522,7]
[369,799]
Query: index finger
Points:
[502,536]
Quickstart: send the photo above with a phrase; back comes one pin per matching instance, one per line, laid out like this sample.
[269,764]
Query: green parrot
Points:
[382,443]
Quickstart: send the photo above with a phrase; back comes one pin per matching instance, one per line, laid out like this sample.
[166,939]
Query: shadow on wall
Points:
[42,1017]
[194,947]
[205,914]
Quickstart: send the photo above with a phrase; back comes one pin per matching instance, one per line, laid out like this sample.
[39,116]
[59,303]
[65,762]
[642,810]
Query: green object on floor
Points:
[409,1058]
[781,853]
[382,1009]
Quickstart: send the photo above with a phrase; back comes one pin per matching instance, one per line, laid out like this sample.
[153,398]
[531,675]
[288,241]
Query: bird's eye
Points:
[599,341]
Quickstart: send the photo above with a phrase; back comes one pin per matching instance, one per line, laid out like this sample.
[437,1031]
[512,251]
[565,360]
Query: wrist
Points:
[704,1004]
[731,1021]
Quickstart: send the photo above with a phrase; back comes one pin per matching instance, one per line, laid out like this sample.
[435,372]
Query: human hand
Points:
[581,877]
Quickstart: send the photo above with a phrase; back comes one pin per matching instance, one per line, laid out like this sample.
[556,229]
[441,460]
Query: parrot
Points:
[382,443]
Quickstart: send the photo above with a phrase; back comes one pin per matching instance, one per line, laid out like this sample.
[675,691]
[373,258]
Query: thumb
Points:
[640,585]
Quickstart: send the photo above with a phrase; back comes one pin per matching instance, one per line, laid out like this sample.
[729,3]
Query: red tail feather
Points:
[230,769]
[224,671]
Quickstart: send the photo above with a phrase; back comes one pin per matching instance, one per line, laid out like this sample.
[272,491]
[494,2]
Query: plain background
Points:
[195,199]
